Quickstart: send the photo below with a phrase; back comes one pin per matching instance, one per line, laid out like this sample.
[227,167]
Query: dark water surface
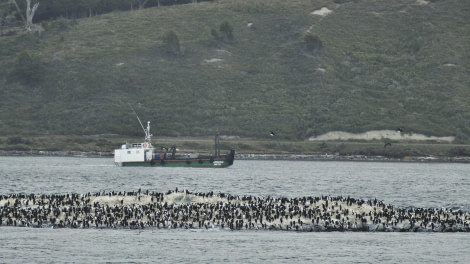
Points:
[400,184]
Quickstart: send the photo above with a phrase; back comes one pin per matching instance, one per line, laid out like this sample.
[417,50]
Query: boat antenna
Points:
[146,131]
[137,116]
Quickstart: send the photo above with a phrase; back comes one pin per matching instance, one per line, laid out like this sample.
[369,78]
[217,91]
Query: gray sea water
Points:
[400,184]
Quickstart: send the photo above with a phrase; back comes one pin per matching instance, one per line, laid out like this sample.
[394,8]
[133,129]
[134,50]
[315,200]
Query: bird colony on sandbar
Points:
[193,210]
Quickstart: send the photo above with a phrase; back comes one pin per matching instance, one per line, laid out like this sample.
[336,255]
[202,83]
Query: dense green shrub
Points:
[215,34]
[27,69]
[59,24]
[171,43]
[313,42]
[15,140]
[459,151]
[226,31]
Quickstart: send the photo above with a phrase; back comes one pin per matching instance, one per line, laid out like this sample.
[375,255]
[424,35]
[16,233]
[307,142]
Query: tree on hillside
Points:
[18,9]
[30,14]
[172,43]
[27,69]
[227,32]
[313,43]
[142,3]
[30,11]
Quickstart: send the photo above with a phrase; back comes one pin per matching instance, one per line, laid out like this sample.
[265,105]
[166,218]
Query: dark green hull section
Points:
[180,163]
[219,162]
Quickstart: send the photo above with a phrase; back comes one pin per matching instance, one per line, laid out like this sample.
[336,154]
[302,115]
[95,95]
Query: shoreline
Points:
[256,156]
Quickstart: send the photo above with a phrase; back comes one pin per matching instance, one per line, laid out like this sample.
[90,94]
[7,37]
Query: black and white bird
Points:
[272,134]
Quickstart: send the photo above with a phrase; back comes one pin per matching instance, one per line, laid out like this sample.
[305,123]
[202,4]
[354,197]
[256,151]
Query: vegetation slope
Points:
[371,65]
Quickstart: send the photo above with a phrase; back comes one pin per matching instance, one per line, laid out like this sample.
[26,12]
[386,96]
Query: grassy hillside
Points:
[382,64]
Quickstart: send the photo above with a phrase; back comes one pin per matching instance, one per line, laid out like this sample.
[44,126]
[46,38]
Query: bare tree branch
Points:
[30,14]
[18,9]
[142,3]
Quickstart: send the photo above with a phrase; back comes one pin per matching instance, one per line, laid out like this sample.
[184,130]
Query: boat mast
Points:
[148,136]
[217,145]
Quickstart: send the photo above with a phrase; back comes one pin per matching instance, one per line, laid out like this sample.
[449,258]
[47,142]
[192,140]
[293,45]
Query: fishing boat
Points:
[144,154]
